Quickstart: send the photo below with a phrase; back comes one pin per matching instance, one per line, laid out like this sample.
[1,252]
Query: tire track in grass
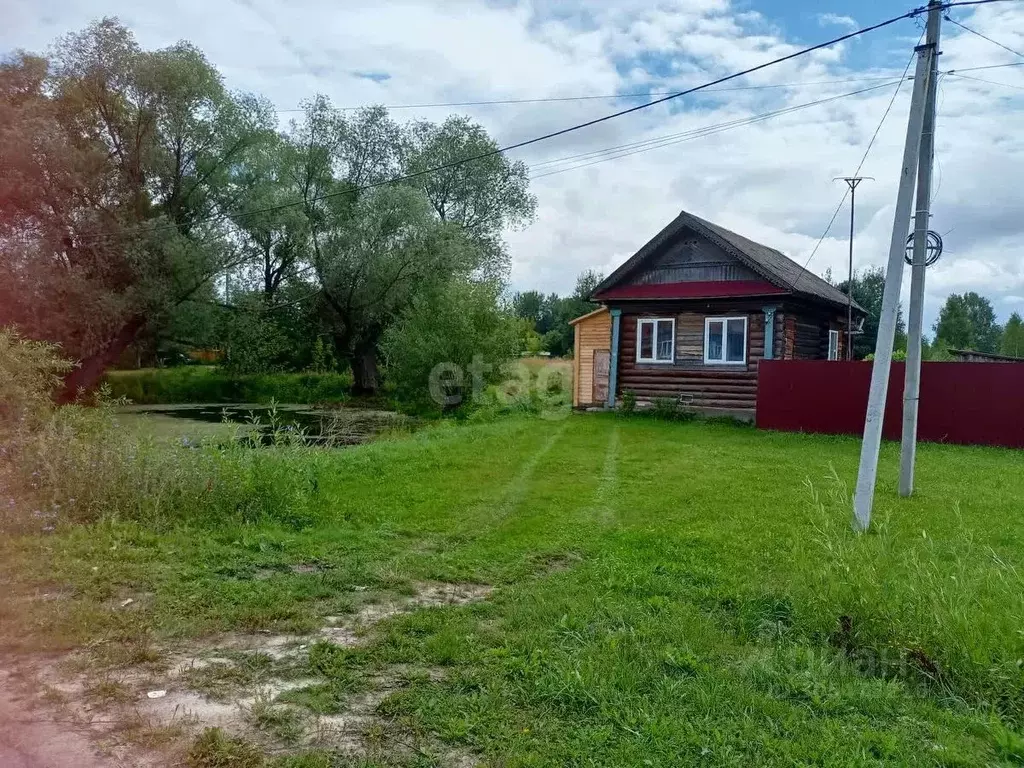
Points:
[514,493]
[603,509]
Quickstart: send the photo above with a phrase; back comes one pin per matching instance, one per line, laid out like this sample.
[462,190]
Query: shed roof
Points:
[777,268]
[587,316]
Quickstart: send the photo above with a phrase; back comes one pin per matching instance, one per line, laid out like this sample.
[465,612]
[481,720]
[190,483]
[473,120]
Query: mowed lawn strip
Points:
[666,593]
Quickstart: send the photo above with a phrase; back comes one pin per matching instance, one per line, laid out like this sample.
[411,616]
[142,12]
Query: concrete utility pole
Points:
[864,494]
[912,382]
[852,182]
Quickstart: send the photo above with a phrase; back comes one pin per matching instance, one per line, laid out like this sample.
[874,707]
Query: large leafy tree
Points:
[967,321]
[484,197]
[1013,337]
[270,228]
[375,246]
[559,339]
[131,179]
[868,288]
[535,308]
[122,160]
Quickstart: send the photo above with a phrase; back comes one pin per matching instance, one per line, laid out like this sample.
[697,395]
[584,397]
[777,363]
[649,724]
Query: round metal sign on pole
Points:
[932,251]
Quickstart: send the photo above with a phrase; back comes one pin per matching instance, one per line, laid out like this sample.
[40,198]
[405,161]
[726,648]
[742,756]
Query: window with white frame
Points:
[833,345]
[725,340]
[656,340]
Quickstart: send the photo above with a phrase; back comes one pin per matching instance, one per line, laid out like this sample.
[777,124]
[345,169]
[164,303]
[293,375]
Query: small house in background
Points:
[694,311]
[970,356]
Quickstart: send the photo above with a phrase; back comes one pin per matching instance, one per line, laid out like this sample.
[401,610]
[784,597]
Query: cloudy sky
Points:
[770,180]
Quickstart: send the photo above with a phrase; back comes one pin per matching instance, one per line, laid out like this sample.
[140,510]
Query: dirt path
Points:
[236,682]
[33,738]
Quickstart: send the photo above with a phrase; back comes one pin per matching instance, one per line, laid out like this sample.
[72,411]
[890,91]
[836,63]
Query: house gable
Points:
[694,258]
[690,258]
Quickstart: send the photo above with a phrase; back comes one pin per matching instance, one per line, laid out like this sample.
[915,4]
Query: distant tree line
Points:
[544,319]
[965,321]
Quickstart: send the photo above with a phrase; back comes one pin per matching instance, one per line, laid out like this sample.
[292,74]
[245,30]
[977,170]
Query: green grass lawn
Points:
[665,593]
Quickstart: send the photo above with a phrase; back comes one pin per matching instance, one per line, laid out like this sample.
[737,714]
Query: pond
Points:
[196,422]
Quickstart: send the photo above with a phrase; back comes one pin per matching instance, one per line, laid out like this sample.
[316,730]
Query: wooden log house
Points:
[691,315]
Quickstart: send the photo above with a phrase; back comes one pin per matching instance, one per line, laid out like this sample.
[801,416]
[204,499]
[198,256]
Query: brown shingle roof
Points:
[771,264]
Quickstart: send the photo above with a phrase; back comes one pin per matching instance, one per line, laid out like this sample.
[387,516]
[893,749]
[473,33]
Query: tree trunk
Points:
[365,374]
[89,372]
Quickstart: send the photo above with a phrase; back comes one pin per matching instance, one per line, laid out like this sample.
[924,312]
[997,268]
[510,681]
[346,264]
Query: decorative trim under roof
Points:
[693,290]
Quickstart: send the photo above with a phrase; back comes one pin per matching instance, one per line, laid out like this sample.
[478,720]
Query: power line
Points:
[978,69]
[863,160]
[570,129]
[655,139]
[643,94]
[606,97]
[984,37]
[964,3]
[989,82]
[616,153]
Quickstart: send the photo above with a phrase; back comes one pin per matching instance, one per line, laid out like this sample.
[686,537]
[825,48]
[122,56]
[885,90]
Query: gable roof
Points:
[777,268]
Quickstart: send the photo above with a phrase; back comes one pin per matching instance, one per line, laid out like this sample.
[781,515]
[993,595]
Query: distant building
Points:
[970,356]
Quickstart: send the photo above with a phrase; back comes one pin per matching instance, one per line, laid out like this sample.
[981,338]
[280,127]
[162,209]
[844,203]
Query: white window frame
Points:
[653,321]
[833,348]
[725,340]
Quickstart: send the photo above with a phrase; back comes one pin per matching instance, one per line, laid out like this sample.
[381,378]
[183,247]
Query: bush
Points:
[898,356]
[30,371]
[199,384]
[628,401]
[452,342]
[666,408]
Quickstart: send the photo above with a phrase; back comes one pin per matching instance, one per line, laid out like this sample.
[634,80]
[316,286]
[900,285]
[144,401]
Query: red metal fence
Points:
[970,403]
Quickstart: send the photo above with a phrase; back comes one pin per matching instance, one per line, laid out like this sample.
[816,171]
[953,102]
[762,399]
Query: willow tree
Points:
[376,245]
[114,216]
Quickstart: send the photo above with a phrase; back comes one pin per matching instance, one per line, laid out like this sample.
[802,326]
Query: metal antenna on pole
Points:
[864,494]
[912,381]
[852,182]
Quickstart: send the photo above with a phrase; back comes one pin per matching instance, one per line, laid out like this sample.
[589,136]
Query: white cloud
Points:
[771,180]
[837,20]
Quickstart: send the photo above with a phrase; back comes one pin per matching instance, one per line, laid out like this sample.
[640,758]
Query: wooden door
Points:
[601,366]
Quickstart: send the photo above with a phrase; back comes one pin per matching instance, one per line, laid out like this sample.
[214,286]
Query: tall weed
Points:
[73,465]
[938,609]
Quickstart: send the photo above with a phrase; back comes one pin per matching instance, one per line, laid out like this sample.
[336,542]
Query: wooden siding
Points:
[789,344]
[779,340]
[810,340]
[692,259]
[801,332]
[688,379]
[591,333]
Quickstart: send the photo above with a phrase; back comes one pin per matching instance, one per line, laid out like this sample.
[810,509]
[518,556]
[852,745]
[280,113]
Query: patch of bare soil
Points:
[145,714]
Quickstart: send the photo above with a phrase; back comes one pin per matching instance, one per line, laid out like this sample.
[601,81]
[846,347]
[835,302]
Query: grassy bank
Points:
[205,384]
[665,593]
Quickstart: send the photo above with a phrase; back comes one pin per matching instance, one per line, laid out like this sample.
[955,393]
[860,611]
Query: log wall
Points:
[689,379]
[801,333]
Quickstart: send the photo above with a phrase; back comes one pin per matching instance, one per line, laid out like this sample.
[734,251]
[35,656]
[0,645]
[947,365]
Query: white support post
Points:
[864,494]
[915,319]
